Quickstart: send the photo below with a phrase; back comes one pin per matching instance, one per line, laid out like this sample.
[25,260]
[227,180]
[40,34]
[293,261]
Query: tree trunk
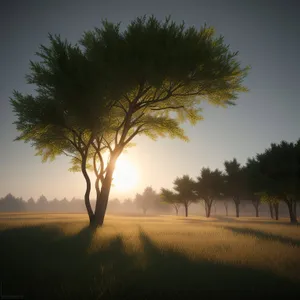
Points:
[226,208]
[256,211]
[87,191]
[256,203]
[176,210]
[237,209]
[144,211]
[276,210]
[186,210]
[271,210]
[102,197]
[293,218]
[295,209]
[208,210]
[208,205]
[237,206]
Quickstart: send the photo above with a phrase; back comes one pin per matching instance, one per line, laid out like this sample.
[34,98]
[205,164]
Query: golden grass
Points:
[248,242]
[202,239]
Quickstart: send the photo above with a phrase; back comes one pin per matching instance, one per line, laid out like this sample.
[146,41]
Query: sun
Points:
[125,175]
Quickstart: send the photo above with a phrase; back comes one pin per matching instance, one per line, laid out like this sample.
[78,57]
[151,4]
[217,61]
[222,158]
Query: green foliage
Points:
[160,67]
[147,200]
[210,184]
[266,198]
[235,179]
[169,196]
[184,186]
[279,164]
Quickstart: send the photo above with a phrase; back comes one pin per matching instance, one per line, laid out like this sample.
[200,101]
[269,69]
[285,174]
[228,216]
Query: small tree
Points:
[31,204]
[146,200]
[234,182]
[42,203]
[273,203]
[256,201]
[209,186]
[255,183]
[141,203]
[170,197]
[185,193]
[128,205]
[226,206]
[114,205]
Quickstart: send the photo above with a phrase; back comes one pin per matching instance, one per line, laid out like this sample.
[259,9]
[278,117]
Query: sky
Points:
[266,34]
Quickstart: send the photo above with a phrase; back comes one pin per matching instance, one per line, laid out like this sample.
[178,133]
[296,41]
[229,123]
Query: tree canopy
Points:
[147,200]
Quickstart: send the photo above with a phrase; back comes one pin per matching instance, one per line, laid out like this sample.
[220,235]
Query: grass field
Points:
[56,256]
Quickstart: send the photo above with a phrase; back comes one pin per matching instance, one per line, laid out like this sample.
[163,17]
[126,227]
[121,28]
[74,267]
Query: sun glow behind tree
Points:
[125,175]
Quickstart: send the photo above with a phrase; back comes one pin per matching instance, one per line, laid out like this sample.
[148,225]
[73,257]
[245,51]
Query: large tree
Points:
[97,96]
[209,187]
[280,165]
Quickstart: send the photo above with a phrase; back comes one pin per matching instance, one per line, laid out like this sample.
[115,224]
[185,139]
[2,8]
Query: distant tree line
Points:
[11,203]
[270,177]
[149,200]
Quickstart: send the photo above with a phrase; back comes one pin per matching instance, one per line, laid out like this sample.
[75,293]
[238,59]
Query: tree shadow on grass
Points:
[265,235]
[41,262]
[220,219]
[259,220]
[171,273]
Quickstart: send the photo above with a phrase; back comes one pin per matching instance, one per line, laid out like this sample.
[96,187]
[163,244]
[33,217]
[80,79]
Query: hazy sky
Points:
[265,32]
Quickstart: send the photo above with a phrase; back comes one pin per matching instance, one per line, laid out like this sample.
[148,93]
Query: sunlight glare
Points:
[125,175]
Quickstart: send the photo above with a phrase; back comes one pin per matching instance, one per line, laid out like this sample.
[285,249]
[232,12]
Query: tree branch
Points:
[168,107]
[107,144]
[138,130]
[98,172]
[69,155]
[121,106]
[169,94]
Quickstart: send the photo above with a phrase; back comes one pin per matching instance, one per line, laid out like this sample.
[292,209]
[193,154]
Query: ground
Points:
[56,256]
